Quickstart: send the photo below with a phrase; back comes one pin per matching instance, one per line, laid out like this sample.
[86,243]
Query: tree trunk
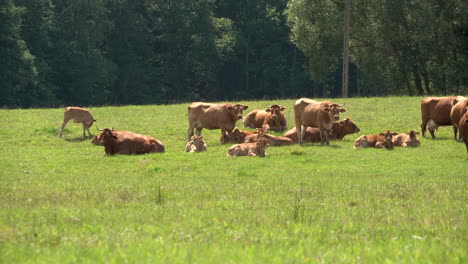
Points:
[417,80]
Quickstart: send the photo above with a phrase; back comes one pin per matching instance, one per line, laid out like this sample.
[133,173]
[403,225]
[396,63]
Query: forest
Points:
[117,52]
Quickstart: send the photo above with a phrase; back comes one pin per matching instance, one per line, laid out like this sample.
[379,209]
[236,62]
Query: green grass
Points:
[63,201]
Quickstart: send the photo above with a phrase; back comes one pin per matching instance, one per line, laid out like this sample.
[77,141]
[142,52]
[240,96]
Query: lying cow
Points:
[458,104]
[272,140]
[339,130]
[271,118]
[214,116]
[309,113]
[409,139]
[435,112]
[463,125]
[78,115]
[249,149]
[196,144]
[237,136]
[383,140]
[124,142]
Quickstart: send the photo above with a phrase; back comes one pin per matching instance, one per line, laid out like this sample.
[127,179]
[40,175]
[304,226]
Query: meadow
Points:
[63,201]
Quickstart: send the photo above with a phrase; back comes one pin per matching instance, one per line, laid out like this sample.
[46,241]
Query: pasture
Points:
[62,201]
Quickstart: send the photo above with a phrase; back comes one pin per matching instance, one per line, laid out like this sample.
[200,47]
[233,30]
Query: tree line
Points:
[97,52]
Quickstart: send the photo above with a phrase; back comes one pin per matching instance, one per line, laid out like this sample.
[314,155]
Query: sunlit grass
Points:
[62,200]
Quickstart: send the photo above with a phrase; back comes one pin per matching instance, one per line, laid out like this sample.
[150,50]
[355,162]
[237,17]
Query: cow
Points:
[272,140]
[271,118]
[214,116]
[435,112]
[463,126]
[339,130]
[237,136]
[310,113]
[78,115]
[249,149]
[458,104]
[409,139]
[126,143]
[383,140]
[196,144]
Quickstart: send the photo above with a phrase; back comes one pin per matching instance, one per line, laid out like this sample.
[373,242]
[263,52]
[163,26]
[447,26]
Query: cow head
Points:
[198,141]
[388,135]
[350,126]
[275,111]
[237,110]
[334,110]
[235,136]
[107,135]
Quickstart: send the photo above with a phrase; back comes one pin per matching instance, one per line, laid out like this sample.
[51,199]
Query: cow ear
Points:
[342,122]
[382,134]
[416,132]
[455,101]
[268,110]
[326,109]
[394,134]
[245,107]
[230,108]
[201,137]
[282,108]
[342,110]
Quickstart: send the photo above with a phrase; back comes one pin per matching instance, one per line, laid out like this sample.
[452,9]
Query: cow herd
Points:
[314,122]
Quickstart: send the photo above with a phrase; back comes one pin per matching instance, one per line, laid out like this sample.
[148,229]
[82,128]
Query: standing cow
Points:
[458,104]
[435,112]
[78,115]
[310,113]
[214,116]
[271,118]
[463,125]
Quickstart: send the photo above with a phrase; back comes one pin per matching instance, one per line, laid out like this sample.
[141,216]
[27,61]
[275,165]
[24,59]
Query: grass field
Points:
[62,201]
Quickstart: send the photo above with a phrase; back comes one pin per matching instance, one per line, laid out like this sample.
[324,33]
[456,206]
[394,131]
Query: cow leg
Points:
[431,130]
[224,139]
[423,128]
[65,121]
[379,145]
[190,133]
[86,128]
[199,131]
[455,130]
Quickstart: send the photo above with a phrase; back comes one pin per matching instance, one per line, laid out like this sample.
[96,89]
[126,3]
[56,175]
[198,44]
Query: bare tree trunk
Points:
[417,80]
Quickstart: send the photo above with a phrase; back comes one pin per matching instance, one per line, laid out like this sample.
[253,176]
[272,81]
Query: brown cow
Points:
[271,118]
[78,115]
[214,116]
[249,149]
[378,141]
[197,144]
[309,113]
[458,104]
[409,139]
[339,130]
[237,136]
[272,140]
[125,142]
[463,125]
[435,111]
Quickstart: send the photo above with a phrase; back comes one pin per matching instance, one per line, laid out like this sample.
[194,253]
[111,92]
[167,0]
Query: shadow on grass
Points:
[78,139]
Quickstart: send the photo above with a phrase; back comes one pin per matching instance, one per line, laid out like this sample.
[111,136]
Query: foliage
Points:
[63,201]
[117,52]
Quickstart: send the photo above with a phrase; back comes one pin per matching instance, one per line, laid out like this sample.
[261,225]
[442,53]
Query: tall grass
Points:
[62,200]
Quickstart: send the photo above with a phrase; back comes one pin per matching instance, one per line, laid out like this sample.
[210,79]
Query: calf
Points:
[127,143]
[272,140]
[383,140]
[463,126]
[249,149]
[197,144]
[339,130]
[78,115]
[409,139]
[236,136]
